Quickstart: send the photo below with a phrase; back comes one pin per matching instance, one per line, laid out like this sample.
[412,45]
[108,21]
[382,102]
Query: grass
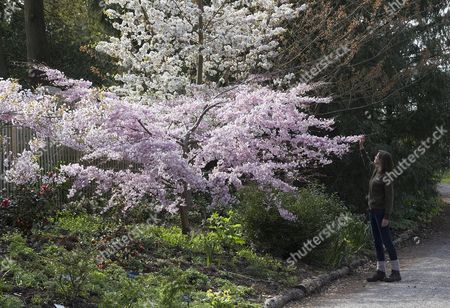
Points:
[446,177]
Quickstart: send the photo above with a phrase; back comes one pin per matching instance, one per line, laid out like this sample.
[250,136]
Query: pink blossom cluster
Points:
[206,143]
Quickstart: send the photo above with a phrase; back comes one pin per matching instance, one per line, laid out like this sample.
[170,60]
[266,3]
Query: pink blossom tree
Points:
[209,142]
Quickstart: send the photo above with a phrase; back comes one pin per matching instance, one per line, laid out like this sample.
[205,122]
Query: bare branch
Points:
[145,128]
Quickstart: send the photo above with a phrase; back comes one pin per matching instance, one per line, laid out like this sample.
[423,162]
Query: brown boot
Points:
[378,276]
[394,276]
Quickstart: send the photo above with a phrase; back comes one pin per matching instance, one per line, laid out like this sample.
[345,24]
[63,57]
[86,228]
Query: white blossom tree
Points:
[166,45]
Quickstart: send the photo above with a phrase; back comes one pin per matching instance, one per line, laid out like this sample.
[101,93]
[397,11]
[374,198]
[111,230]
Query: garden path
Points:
[425,270]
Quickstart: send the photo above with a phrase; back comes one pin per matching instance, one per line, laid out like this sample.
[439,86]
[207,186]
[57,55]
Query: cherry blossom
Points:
[24,170]
[211,142]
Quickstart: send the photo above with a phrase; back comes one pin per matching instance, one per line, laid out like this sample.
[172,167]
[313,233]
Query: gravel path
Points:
[425,270]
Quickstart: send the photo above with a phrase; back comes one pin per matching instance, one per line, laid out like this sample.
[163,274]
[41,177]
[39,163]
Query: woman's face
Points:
[377,160]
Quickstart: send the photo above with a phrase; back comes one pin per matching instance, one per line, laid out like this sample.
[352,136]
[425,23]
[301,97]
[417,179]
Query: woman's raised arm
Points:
[368,163]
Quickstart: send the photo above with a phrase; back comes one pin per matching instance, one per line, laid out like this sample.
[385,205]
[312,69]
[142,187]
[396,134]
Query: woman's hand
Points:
[384,222]
[361,142]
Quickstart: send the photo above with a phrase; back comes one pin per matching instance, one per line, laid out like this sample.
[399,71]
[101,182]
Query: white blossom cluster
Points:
[160,41]
[9,8]
[25,169]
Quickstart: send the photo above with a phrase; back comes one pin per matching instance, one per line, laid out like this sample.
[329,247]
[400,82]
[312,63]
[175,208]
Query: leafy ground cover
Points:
[77,256]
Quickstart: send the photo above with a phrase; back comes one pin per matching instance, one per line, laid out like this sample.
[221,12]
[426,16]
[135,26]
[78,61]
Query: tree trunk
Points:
[35,31]
[200,43]
[3,60]
[184,210]
[187,193]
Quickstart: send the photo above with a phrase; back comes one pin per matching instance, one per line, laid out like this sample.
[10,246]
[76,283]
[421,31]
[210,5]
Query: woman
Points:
[380,201]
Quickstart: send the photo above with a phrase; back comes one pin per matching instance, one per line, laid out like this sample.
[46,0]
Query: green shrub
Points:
[81,224]
[416,211]
[65,274]
[269,232]
[5,284]
[18,248]
[39,300]
[173,237]
[220,299]
[228,294]
[446,177]
[224,236]
[21,259]
[253,264]
[10,301]
[69,272]
[208,244]
[227,229]
[118,290]
[350,240]
[27,207]
[179,286]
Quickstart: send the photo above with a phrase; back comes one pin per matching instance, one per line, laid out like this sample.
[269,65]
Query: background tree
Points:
[165,46]
[392,84]
[72,30]
[8,8]
[3,61]
[35,31]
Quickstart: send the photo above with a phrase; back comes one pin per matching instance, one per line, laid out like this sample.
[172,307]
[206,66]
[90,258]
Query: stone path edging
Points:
[312,285]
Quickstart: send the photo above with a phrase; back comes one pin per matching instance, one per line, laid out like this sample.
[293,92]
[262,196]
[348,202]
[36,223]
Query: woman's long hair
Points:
[387,164]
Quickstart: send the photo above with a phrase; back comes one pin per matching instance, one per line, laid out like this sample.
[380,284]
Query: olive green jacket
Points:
[381,190]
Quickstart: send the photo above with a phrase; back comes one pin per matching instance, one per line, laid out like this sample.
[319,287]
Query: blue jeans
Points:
[381,235]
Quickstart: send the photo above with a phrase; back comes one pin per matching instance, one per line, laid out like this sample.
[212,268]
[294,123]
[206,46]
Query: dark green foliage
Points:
[393,86]
[269,232]
[350,241]
[315,210]
[72,28]
[28,207]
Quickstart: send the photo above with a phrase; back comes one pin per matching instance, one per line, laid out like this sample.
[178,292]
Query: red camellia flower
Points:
[5,203]
[101,266]
[44,189]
